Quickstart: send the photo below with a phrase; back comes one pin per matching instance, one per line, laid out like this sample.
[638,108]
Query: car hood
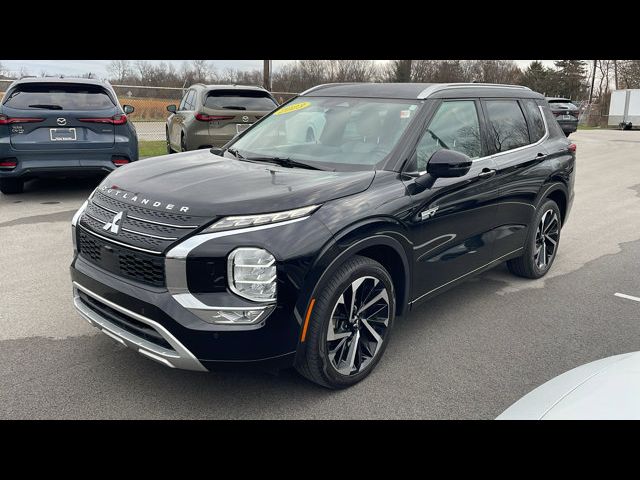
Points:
[200,183]
[605,389]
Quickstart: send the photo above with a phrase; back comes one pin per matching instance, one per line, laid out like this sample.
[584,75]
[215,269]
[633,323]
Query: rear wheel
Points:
[349,325]
[10,186]
[541,244]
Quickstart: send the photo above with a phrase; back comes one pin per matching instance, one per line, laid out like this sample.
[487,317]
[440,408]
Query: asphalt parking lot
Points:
[469,353]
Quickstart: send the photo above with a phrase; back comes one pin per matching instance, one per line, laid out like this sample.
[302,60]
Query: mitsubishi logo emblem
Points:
[245,118]
[114,225]
[61,121]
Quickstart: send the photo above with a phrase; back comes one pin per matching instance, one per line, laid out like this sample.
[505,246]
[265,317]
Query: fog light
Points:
[236,317]
[252,274]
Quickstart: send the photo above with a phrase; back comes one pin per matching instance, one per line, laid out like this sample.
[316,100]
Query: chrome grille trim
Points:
[91,232]
[144,219]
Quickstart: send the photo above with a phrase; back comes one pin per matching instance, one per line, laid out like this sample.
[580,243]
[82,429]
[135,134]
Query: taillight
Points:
[119,161]
[203,117]
[115,120]
[572,147]
[4,120]
[8,164]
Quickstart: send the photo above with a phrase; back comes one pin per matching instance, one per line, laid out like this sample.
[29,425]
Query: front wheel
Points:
[350,324]
[541,244]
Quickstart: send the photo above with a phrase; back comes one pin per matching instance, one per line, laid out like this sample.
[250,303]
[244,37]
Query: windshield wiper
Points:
[233,107]
[285,162]
[46,106]
[235,153]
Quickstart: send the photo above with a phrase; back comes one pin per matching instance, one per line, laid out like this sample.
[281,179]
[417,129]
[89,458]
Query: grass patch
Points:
[152,149]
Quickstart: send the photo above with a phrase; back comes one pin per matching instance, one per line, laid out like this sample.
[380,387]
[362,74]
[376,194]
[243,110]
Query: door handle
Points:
[541,156]
[486,173]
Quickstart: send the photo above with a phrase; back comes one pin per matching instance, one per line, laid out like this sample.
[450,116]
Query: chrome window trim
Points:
[498,154]
[179,357]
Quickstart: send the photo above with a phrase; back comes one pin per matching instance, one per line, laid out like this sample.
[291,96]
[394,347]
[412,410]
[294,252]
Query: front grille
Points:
[138,266]
[125,322]
[165,217]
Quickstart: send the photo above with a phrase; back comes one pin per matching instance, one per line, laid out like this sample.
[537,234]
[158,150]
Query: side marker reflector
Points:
[306,319]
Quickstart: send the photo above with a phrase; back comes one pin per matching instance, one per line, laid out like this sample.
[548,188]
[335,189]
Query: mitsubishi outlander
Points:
[283,250]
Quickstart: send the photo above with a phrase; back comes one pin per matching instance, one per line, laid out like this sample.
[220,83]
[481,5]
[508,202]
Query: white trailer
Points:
[624,109]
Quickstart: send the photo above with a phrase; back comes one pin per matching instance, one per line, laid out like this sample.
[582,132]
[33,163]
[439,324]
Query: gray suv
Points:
[61,127]
[211,115]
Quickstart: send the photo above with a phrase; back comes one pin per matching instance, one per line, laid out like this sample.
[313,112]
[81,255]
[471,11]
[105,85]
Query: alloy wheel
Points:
[547,236]
[358,325]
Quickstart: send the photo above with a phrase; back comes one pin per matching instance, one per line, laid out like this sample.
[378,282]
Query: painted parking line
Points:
[628,297]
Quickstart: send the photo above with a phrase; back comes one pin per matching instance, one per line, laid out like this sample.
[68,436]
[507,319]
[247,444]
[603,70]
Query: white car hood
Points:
[605,389]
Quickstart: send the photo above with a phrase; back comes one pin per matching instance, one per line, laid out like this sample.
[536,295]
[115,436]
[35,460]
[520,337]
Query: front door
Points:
[453,222]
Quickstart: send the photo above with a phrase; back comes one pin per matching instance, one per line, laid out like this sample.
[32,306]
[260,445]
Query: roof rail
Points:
[27,76]
[324,85]
[436,87]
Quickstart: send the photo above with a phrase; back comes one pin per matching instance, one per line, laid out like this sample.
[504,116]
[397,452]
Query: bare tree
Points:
[201,71]
[119,70]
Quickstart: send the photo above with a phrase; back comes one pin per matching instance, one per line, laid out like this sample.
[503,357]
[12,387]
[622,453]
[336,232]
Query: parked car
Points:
[62,127]
[566,113]
[211,115]
[607,389]
[284,250]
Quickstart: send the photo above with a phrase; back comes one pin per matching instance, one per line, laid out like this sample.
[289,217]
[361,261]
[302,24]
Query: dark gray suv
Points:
[211,115]
[62,127]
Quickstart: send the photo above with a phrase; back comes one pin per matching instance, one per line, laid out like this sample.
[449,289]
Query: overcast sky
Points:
[98,67]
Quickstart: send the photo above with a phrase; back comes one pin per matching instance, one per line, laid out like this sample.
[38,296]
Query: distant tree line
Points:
[567,78]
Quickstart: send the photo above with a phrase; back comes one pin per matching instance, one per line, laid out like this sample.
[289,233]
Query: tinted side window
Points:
[190,100]
[454,126]
[536,127]
[507,127]
[183,103]
[554,128]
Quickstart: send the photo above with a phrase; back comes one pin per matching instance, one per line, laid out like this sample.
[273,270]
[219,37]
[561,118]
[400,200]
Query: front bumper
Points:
[176,356]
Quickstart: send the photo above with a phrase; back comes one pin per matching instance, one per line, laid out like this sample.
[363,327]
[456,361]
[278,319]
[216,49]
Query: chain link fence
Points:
[150,104]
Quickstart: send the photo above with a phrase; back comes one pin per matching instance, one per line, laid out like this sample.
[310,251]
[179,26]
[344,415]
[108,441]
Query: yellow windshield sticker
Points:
[293,108]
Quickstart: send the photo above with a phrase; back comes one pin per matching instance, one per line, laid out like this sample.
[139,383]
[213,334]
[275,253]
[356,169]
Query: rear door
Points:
[235,110]
[60,116]
[516,141]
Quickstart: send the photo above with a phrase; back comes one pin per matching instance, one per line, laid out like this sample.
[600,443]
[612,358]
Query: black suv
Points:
[62,127]
[283,250]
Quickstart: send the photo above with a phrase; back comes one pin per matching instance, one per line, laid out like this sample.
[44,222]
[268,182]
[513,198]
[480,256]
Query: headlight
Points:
[228,223]
[252,274]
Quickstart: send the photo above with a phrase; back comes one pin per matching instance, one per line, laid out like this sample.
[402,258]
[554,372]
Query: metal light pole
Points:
[266,70]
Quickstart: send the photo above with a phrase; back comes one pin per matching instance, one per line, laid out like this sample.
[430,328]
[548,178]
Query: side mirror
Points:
[448,164]
[171,108]
[216,151]
[128,109]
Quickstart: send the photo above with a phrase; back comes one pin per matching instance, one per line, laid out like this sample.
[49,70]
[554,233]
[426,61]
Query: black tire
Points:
[316,365]
[527,265]
[10,186]
[169,149]
[183,143]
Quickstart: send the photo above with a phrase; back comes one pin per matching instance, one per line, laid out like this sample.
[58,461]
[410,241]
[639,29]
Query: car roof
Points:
[87,81]
[419,91]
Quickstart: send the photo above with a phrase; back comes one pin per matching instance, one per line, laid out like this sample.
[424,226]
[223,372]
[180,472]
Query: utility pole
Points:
[266,70]
[593,81]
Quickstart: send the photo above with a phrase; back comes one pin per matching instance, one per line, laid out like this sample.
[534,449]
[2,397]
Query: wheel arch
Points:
[557,191]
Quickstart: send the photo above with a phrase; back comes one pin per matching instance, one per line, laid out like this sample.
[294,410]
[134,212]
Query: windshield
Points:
[36,96]
[239,100]
[333,133]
